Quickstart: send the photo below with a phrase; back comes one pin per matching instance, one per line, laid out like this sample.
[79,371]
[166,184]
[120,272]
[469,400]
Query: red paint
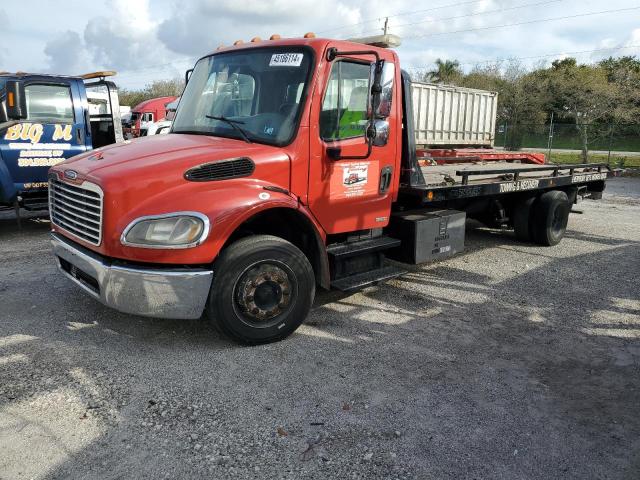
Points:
[146,176]
[465,155]
[157,107]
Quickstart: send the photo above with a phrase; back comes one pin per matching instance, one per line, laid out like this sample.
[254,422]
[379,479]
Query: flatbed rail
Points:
[507,179]
[466,173]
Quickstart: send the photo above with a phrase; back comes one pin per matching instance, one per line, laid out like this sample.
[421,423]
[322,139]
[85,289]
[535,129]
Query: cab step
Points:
[345,250]
[364,279]
[359,263]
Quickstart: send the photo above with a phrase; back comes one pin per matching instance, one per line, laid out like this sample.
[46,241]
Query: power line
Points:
[413,12]
[547,55]
[433,20]
[578,15]
[159,65]
[555,54]
[128,71]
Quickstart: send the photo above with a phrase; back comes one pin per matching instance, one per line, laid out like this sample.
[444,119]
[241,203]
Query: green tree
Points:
[583,94]
[158,88]
[520,100]
[446,71]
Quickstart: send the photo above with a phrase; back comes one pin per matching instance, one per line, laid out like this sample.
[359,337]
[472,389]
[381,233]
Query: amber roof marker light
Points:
[275,36]
[309,35]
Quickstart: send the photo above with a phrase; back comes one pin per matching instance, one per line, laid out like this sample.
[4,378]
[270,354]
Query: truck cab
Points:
[45,119]
[146,113]
[291,164]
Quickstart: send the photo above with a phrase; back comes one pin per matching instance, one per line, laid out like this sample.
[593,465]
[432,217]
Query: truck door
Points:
[53,131]
[348,194]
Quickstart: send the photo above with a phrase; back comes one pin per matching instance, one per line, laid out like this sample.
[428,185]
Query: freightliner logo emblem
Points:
[70,174]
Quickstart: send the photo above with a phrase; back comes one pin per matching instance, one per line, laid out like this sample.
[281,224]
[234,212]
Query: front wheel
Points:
[262,291]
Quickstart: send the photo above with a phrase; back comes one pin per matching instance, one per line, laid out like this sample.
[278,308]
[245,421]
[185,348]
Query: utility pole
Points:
[386,24]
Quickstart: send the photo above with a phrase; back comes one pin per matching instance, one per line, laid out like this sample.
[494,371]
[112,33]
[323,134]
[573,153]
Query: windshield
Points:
[258,90]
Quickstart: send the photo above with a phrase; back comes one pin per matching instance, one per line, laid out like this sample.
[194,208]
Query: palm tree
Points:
[447,71]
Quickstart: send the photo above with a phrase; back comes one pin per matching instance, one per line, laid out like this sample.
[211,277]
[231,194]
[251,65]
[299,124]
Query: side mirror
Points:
[378,132]
[187,76]
[15,100]
[382,108]
[382,75]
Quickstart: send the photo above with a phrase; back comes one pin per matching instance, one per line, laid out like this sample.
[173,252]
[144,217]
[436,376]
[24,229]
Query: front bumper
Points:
[161,292]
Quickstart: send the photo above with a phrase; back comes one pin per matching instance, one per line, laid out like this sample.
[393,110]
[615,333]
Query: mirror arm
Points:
[333,52]
[334,153]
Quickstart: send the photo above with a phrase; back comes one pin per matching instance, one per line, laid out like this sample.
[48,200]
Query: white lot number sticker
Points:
[286,60]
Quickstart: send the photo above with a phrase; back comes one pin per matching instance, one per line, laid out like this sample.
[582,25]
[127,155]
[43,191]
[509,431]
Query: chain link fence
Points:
[563,142]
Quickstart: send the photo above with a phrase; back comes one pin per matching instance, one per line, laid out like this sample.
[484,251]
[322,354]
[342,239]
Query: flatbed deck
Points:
[467,180]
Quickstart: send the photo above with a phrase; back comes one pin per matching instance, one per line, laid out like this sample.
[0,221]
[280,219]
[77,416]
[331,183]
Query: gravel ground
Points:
[508,361]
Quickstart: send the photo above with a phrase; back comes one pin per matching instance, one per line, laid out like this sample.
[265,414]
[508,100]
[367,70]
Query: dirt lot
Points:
[508,361]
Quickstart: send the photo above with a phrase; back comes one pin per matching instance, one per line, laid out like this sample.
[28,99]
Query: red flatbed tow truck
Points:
[249,204]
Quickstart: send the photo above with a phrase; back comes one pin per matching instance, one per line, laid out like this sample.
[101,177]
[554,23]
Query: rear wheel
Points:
[549,218]
[263,289]
[522,219]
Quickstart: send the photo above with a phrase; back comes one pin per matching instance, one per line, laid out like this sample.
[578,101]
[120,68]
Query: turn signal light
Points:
[309,35]
[10,100]
[275,36]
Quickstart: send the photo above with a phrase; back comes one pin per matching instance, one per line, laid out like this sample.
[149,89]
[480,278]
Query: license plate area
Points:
[80,275]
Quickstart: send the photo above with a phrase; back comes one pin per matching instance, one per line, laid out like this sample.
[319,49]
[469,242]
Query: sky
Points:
[146,40]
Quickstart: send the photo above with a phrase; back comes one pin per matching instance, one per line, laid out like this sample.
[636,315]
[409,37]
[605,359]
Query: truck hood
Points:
[166,154]
[152,169]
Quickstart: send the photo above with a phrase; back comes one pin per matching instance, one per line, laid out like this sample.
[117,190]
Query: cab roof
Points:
[318,44]
[85,76]
[153,101]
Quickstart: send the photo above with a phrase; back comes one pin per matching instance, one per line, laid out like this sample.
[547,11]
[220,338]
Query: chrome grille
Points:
[77,209]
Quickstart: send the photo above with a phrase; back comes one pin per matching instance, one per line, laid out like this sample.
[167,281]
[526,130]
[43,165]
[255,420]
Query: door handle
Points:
[385,180]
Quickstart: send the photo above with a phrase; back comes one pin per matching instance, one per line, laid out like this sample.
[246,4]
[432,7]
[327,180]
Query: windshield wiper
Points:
[233,123]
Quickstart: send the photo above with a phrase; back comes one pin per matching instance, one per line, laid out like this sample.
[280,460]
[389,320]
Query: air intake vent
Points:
[223,170]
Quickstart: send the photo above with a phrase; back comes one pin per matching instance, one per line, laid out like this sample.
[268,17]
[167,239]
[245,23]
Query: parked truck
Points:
[146,113]
[249,203]
[164,126]
[45,119]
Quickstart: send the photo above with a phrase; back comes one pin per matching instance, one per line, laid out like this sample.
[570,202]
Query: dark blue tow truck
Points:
[45,119]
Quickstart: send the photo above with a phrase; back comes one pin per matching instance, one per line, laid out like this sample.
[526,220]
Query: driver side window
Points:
[344,108]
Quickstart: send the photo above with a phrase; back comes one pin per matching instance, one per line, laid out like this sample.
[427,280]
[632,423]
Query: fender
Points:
[228,204]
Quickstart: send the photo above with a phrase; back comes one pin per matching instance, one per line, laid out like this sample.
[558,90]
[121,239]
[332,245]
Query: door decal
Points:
[25,137]
[350,180]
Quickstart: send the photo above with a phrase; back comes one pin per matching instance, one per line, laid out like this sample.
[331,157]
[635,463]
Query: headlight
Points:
[172,230]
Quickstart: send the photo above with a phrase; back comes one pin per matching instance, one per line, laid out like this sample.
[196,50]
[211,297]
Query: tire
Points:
[522,219]
[262,290]
[549,218]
